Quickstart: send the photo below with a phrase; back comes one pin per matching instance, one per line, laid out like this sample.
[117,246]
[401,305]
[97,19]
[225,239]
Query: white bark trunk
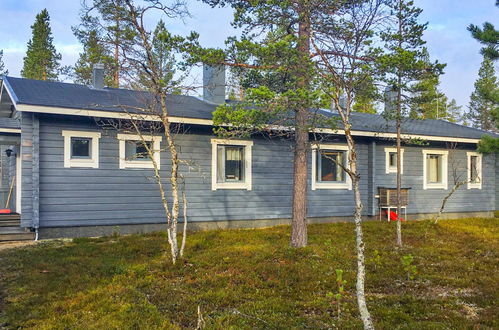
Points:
[359,239]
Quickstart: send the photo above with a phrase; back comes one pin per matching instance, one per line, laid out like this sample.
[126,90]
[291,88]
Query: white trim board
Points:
[445,164]
[10,130]
[474,185]
[389,169]
[92,162]
[247,184]
[330,185]
[209,122]
[139,164]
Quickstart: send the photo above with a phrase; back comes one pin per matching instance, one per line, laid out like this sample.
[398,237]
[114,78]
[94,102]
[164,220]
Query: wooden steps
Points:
[10,229]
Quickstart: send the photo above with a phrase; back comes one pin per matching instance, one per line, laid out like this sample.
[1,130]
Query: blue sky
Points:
[447,37]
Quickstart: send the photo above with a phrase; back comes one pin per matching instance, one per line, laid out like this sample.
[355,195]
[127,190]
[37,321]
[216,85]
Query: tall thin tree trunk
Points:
[399,119]
[359,238]
[299,218]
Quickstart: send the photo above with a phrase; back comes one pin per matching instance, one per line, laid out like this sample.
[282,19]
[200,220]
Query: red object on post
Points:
[3,211]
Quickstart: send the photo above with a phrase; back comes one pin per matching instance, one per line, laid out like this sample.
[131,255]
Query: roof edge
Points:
[9,89]
[209,122]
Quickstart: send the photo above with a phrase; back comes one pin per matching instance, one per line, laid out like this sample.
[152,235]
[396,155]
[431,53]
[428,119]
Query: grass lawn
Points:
[252,279]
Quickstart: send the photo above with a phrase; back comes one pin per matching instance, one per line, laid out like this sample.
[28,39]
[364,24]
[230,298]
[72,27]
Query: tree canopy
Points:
[42,60]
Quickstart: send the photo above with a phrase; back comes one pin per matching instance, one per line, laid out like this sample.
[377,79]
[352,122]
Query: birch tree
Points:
[458,169]
[145,55]
[350,33]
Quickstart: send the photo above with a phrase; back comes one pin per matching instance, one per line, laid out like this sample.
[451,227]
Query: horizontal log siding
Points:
[429,201]
[110,196]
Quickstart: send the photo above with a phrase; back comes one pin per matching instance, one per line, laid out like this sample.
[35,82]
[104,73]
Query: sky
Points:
[447,39]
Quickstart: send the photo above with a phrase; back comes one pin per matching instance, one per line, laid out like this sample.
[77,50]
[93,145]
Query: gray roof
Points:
[74,96]
[9,123]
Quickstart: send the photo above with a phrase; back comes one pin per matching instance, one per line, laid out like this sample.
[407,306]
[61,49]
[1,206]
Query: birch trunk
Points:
[359,239]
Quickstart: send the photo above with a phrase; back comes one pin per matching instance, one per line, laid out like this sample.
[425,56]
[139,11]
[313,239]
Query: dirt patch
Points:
[17,244]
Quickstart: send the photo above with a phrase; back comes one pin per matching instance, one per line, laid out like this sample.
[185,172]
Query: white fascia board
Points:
[209,122]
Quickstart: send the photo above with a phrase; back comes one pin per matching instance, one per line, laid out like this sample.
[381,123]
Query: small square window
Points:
[81,149]
[137,150]
[134,151]
[231,164]
[330,167]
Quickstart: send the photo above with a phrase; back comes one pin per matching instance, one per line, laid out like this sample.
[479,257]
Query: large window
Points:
[328,163]
[435,169]
[81,149]
[474,170]
[134,151]
[391,160]
[231,164]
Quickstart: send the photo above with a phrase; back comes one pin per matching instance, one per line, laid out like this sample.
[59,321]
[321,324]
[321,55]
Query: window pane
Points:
[393,159]
[81,147]
[220,163]
[474,169]
[234,163]
[434,168]
[329,166]
[136,150]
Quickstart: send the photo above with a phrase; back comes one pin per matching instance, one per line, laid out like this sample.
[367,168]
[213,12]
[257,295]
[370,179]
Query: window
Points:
[474,170]
[133,151]
[327,167]
[231,164]
[81,149]
[435,169]
[391,160]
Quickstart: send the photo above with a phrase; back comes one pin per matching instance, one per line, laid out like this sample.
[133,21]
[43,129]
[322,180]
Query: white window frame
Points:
[445,156]
[139,164]
[247,183]
[93,161]
[474,185]
[393,169]
[329,185]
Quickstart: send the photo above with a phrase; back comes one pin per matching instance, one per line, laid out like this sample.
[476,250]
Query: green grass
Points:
[252,279]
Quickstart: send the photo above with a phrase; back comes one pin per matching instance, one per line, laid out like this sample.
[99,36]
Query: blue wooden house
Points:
[71,176]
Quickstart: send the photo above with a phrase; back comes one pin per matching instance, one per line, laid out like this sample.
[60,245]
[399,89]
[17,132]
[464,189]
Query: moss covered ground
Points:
[247,279]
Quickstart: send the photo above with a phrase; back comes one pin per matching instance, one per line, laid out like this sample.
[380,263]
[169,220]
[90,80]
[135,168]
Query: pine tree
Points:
[3,71]
[428,102]
[93,52]
[42,60]
[366,95]
[484,99]
[405,62]
[487,36]
[107,17]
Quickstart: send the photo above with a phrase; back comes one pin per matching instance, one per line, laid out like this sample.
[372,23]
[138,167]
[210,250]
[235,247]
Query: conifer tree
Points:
[483,100]
[366,96]
[488,36]
[405,61]
[428,102]
[3,71]
[42,60]
[93,52]
[108,18]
